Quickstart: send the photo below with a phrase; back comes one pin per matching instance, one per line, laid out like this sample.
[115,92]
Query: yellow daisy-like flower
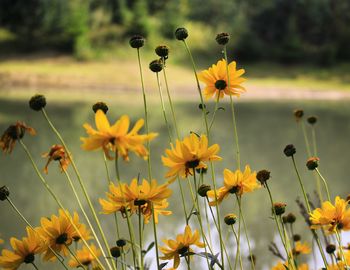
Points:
[331,216]
[116,138]
[301,248]
[135,197]
[188,155]
[173,249]
[235,183]
[57,153]
[216,80]
[59,232]
[282,266]
[24,251]
[85,257]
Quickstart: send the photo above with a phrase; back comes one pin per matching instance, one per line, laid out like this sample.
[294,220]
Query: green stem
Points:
[214,113]
[238,253]
[35,267]
[140,239]
[234,123]
[313,132]
[58,202]
[109,179]
[340,244]
[171,103]
[324,183]
[307,144]
[82,185]
[245,231]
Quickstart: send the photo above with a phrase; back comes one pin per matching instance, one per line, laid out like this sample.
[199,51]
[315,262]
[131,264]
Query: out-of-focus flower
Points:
[85,257]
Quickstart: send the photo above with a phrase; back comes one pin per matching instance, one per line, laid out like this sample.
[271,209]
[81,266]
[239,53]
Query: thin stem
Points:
[234,123]
[307,144]
[109,179]
[314,142]
[340,244]
[75,257]
[171,103]
[245,231]
[140,238]
[35,267]
[324,183]
[214,113]
[238,253]
[82,185]
[48,188]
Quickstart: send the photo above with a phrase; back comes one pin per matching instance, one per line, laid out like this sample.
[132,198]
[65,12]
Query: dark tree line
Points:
[279,30]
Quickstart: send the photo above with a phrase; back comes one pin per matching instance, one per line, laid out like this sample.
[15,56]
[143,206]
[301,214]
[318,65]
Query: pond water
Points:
[264,129]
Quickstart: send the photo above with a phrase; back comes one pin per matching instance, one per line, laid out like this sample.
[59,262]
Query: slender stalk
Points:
[307,144]
[48,188]
[170,103]
[35,267]
[60,259]
[214,113]
[238,253]
[82,185]
[245,230]
[75,257]
[140,239]
[340,244]
[314,142]
[324,183]
[109,179]
[309,210]
[234,123]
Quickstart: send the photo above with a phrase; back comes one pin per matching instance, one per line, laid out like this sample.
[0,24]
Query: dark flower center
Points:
[140,202]
[234,190]
[340,226]
[182,250]
[62,239]
[29,258]
[86,262]
[192,164]
[220,84]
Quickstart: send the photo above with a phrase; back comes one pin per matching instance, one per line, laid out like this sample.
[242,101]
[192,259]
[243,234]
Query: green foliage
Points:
[140,20]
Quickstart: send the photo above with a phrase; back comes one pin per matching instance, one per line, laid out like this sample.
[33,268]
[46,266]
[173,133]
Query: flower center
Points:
[220,84]
[340,226]
[86,262]
[29,258]
[140,202]
[182,250]
[234,190]
[61,239]
[192,164]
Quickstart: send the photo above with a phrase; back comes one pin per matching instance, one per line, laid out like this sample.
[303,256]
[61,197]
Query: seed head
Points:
[203,189]
[181,33]
[291,218]
[298,114]
[263,176]
[137,41]
[312,163]
[279,208]
[115,252]
[222,38]
[330,248]
[162,51]
[156,65]
[296,237]
[37,102]
[289,150]
[230,219]
[312,120]
[121,243]
[4,193]
[100,106]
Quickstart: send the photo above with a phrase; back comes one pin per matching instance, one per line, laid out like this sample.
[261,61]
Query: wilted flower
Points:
[12,134]
[57,153]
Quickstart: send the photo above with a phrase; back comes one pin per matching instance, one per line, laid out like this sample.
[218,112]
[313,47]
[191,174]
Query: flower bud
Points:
[222,38]
[4,193]
[203,189]
[330,248]
[312,120]
[100,106]
[279,208]
[230,219]
[162,51]
[181,33]
[312,163]
[115,252]
[263,176]
[298,114]
[37,102]
[291,218]
[289,150]
[121,243]
[156,66]
[137,41]
[202,106]
[296,237]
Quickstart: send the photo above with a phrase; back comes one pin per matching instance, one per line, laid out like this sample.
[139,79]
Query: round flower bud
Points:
[37,102]
[100,106]
[115,252]
[279,208]
[203,189]
[162,51]
[181,33]
[121,243]
[312,120]
[312,163]
[137,41]
[330,248]
[263,176]
[230,219]
[296,237]
[222,38]
[289,150]
[291,218]
[156,66]
[4,193]
[298,114]
[202,106]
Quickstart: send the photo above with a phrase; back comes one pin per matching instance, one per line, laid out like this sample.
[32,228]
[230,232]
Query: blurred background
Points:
[76,52]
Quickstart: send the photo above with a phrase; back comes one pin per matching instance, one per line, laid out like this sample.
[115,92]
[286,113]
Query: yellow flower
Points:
[12,134]
[85,257]
[58,153]
[331,216]
[301,248]
[24,250]
[235,183]
[188,155]
[135,197]
[59,233]
[180,246]
[216,80]
[116,138]
[282,266]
